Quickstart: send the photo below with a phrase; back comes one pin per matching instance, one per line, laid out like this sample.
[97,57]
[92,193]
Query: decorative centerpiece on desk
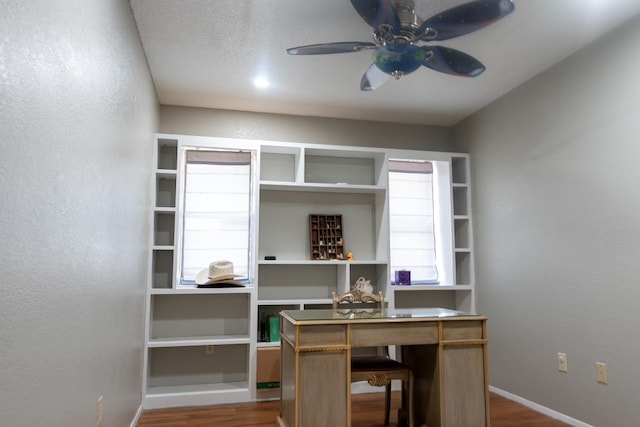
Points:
[362,285]
[403,277]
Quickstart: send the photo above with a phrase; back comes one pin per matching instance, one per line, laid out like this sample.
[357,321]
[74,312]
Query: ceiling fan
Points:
[399,37]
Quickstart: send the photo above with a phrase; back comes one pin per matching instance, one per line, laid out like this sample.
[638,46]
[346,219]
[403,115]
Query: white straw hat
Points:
[218,272]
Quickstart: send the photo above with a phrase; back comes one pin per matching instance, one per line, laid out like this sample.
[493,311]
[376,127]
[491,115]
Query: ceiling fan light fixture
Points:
[400,59]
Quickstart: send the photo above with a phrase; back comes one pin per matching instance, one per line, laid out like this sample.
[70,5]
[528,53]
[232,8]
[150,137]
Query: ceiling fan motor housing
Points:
[409,21]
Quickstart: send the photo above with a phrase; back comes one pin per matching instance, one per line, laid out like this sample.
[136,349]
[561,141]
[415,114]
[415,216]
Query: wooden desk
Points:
[446,349]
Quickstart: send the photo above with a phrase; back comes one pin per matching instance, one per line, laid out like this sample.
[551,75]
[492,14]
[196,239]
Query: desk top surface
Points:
[374,315]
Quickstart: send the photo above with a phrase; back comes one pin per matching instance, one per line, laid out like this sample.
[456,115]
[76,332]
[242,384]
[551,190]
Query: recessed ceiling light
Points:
[260,82]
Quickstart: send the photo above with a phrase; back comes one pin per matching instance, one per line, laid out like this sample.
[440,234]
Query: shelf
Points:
[163,248]
[199,341]
[279,167]
[321,262]
[228,387]
[166,190]
[297,302]
[164,209]
[463,267]
[163,227]
[323,168]
[362,219]
[460,201]
[162,268]
[429,288]
[197,316]
[275,344]
[320,187]
[313,281]
[195,369]
[193,289]
[167,154]
[451,297]
[377,274]
[268,324]
[308,281]
[337,166]
[158,397]
[459,170]
[461,232]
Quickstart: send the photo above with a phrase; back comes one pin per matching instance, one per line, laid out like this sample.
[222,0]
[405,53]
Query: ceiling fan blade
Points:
[451,61]
[325,48]
[465,18]
[377,12]
[373,78]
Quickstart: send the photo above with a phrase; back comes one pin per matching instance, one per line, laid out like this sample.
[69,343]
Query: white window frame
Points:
[443,209]
[412,234]
[216,144]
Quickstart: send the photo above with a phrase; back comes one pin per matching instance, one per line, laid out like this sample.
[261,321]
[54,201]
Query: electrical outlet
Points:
[562,362]
[99,412]
[601,372]
[209,349]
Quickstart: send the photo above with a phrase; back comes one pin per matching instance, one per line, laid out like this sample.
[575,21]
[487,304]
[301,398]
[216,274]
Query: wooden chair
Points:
[379,369]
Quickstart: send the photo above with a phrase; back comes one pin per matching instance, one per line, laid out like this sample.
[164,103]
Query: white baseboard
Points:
[136,418]
[358,388]
[539,408]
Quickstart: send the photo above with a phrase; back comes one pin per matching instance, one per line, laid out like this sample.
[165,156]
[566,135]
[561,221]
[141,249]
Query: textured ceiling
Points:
[206,53]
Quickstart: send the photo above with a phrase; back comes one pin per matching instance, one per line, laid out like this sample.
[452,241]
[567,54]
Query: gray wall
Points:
[313,130]
[77,113]
[557,222]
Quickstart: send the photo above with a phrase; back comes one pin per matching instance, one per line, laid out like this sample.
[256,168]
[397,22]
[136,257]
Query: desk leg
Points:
[449,384]
[463,384]
[315,387]
[423,360]
[288,375]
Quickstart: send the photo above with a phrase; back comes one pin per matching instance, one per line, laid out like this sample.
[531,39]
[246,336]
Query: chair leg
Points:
[410,399]
[387,403]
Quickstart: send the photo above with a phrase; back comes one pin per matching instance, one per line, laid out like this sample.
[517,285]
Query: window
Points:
[411,219]
[216,211]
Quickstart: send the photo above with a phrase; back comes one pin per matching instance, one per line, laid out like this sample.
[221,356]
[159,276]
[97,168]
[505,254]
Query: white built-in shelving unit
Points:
[203,345]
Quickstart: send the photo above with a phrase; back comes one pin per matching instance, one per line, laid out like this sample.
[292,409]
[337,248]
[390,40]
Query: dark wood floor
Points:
[367,411]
